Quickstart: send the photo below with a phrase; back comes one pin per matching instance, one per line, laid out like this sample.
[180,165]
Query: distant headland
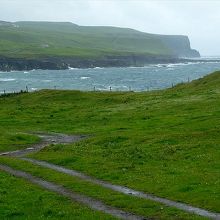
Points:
[60,45]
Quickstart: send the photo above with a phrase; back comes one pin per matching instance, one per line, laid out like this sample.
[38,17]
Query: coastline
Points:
[64,63]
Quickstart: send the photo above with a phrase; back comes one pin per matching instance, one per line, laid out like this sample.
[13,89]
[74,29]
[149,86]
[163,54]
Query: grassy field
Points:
[43,39]
[162,142]
[137,206]
[21,200]
[14,141]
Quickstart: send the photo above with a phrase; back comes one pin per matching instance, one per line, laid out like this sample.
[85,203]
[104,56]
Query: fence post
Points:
[26,89]
[110,88]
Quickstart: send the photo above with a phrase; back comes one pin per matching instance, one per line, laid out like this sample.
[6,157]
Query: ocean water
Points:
[150,77]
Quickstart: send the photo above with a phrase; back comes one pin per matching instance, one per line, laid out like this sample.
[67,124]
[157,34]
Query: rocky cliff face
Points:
[179,45]
[11,64]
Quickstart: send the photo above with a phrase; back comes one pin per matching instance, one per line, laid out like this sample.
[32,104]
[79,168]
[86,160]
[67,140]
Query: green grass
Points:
[162,142]
[29,40]
[51,39]
[12,140]
[134,205]
[22,200]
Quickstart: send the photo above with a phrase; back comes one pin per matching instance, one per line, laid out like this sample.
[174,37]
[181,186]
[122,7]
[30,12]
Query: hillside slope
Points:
[162,142]
[49,40]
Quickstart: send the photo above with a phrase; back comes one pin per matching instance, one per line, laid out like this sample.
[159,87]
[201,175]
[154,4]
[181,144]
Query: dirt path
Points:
[127,191]
[46,139]
[61,138]
[90,202]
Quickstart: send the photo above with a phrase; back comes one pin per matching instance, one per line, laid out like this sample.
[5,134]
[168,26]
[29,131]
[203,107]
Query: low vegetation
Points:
[21,200]
[161,142]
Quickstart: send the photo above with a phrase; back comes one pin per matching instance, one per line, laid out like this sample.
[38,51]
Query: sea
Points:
[149,77]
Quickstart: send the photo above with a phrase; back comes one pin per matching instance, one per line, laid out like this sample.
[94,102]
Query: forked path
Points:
[54,138]
[46,139]
[61,138]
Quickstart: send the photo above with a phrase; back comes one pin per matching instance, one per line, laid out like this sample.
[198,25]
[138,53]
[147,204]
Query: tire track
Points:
[55,138]
[126,190]
[90,202]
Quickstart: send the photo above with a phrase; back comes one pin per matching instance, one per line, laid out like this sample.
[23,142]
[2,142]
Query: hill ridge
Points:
[87,46]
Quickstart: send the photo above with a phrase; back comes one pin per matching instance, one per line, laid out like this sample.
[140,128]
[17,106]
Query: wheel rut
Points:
[54,138]
[90,202]
[126,190]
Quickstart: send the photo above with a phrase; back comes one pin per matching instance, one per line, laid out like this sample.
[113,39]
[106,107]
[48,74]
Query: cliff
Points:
[179,45]
[57,45]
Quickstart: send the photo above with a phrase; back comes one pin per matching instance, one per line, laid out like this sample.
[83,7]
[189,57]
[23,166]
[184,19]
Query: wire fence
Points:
[8,92]
[4,93]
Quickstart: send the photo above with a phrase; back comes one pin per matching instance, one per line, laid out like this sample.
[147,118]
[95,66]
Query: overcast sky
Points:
[199,19]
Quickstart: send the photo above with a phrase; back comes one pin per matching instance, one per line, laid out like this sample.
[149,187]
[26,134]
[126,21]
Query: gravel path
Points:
[55,138]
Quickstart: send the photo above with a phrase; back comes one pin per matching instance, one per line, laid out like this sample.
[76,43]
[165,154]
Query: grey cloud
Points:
[199,19]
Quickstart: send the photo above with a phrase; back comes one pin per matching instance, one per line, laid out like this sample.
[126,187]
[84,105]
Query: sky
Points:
[198,19]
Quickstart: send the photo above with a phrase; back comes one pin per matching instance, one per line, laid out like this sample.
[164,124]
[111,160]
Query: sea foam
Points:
[6,79]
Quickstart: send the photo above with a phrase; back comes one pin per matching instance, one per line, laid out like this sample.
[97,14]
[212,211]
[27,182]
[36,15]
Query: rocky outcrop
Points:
[20,64]
[10,64]
[120,61]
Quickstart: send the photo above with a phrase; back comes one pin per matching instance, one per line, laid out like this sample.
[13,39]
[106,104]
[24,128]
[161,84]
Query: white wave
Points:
[138,67]
[26,72]
[46,80]
[170,68]
[208,58]
[6,79]
[190,63]
[158,65]
[71,68]
[85,77]
[170,65]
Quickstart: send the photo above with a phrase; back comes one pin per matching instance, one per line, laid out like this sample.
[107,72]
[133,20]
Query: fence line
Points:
[4,92]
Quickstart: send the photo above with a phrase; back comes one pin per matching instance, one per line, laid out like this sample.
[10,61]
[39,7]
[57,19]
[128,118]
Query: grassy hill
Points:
[60,39]
[162,142]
